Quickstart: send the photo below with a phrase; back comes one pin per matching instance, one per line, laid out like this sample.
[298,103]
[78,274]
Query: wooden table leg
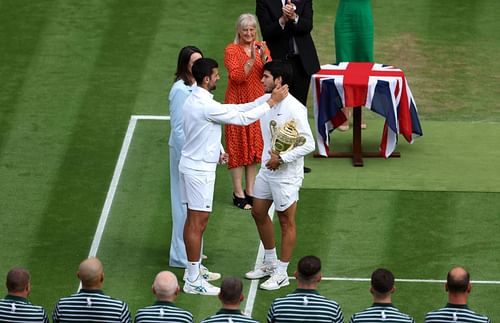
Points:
[357,152]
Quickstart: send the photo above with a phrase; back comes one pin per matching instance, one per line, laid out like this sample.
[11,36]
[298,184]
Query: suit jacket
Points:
[268,13]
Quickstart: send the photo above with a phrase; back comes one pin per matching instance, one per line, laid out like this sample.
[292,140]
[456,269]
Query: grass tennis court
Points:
[72,75]
[353,229]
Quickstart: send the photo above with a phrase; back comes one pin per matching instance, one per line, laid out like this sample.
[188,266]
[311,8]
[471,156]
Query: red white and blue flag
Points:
[380,88]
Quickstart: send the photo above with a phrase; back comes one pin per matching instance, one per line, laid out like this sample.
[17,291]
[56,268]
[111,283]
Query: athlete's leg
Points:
[288,232]
[263,222]
[196,223]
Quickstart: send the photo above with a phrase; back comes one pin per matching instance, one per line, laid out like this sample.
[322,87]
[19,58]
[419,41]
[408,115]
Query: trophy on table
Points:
[285,138]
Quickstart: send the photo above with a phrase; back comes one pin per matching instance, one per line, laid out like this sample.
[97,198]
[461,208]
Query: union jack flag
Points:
[380,88]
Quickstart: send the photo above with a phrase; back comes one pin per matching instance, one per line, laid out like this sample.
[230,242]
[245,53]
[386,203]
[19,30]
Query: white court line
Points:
[112,187]
[260,255]
[115,180]
[143,117]
[252,293]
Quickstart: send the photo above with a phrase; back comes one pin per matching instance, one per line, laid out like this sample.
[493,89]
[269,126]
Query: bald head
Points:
[458,280]
[165,286]
[18,280]
[91,273]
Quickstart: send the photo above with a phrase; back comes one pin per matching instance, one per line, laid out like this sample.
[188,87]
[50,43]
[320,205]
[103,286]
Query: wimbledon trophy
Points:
[285,138]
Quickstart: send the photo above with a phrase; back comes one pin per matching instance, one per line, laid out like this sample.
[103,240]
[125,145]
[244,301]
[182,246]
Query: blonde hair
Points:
[244,20]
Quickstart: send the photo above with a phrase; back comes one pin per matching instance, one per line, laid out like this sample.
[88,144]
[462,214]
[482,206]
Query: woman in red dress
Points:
[244,60]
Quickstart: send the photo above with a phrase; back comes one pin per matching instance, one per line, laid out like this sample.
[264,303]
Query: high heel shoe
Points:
[249,198]
[241,202]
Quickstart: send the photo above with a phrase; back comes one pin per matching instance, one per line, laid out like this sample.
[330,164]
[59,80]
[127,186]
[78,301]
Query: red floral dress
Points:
[243,143]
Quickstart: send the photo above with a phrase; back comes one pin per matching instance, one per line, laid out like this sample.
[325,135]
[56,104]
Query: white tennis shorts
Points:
[283,192]
[197,189]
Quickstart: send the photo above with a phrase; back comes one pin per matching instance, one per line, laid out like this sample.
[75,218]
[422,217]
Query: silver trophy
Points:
[285,138]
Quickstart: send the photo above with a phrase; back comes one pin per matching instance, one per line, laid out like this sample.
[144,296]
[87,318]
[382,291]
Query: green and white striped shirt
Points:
[455,313]
[91,306]
[163,311]
[379,312]
[15,309]
[229,316]
[304,305]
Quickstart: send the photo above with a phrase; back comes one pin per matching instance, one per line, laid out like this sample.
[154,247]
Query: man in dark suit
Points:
[286,27]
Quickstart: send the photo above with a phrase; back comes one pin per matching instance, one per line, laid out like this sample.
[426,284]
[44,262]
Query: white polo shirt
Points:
[288,109]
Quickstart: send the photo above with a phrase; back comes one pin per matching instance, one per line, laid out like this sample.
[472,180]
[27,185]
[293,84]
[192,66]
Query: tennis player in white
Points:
[201,152]
[279,179]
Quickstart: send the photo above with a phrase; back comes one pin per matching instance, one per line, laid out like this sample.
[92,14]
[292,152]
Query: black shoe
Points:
[249,198]
[306,170]
[241,202]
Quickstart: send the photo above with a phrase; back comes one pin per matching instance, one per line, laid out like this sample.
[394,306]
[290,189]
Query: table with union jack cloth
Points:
[381,88]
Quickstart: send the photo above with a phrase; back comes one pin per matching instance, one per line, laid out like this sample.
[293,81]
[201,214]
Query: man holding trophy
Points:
[287,139]
[200,154]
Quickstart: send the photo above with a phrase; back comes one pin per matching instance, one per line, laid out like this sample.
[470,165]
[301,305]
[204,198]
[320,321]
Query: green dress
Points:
[354,31]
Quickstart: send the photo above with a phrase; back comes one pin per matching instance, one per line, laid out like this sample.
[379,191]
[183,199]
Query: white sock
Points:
[193,270]
[282,267]
[270,255]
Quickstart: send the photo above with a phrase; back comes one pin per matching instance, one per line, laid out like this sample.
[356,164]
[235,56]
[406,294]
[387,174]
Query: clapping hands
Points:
[289,11]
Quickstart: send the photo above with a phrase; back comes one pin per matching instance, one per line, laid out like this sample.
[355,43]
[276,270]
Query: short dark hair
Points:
[230,290]
[17,279]
[182,72]
[382,280]
[308,267]
[203,67]
[279,68]
[458,283]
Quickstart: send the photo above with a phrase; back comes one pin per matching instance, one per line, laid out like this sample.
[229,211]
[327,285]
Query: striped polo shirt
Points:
[227,315]
[163,311]
[455,313]
[381,312]
[305,305]
[17,309]
[91,306]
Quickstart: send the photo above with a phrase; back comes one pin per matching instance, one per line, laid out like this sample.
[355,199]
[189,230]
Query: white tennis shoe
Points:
[266,269]
[201,287]
[208,275]
[276,281]
[205,274]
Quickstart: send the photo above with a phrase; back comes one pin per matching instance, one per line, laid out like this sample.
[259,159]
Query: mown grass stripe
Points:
[405,280]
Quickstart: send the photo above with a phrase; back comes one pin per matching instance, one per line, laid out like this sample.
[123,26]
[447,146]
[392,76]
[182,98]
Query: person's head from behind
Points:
[308,270]
[276,73]
[231,291]
[91,273]
[206,73]
[187,56]
[458,281]
[382,283]
[165,286]
[246,29]
[18,282]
